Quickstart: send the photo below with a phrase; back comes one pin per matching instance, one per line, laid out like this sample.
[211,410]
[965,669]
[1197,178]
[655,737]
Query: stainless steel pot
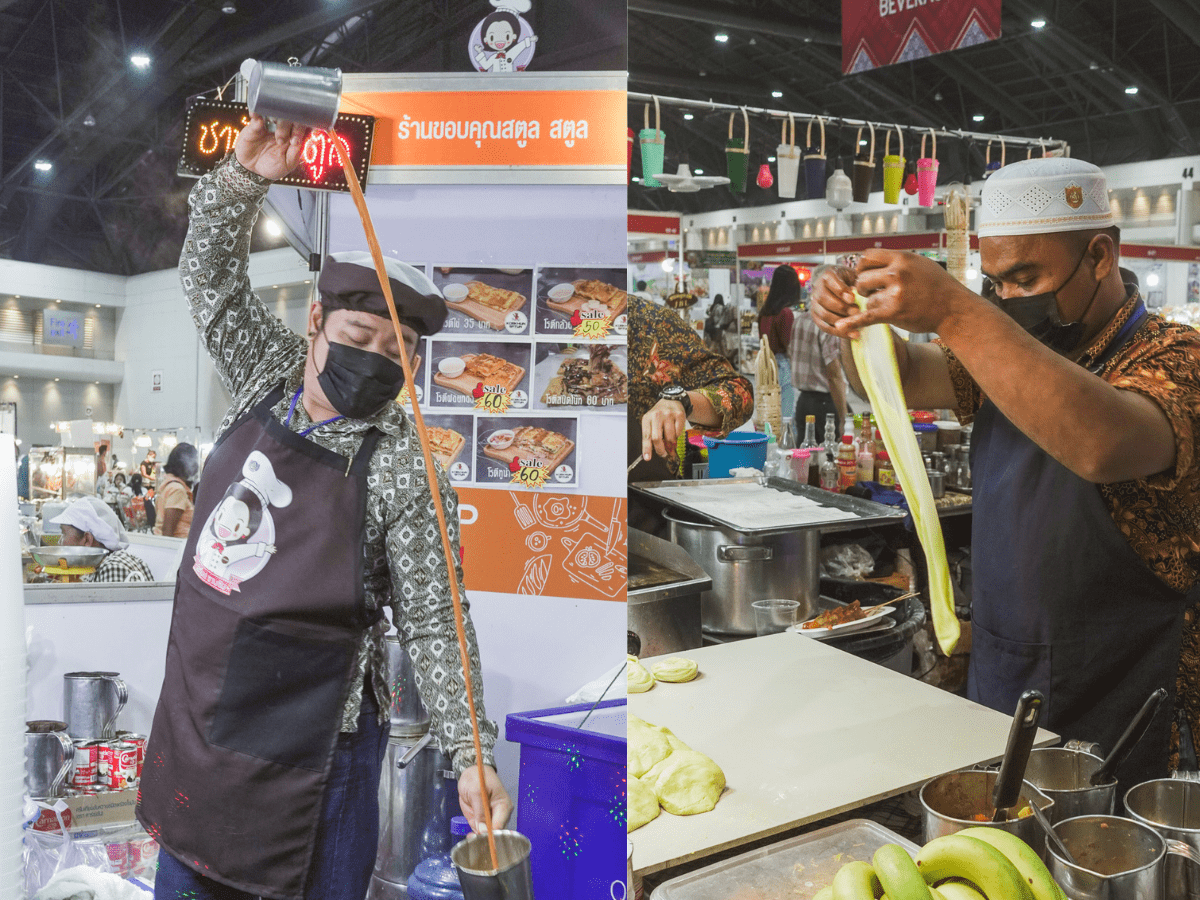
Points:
[748,567]
[418,795]
[1065,777]
[952,801]
[1172,808]
[665,585]
[409,717]
[1116,859]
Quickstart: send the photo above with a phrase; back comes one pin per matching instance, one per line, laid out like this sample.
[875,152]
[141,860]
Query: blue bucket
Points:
[741,449]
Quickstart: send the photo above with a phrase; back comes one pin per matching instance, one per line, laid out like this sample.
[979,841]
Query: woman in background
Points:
[775,324]
[173,497]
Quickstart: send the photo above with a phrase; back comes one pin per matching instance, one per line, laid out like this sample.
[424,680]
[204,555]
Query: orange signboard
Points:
[553,545]
[495,128]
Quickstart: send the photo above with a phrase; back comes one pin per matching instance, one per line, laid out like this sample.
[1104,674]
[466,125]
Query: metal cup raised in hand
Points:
[305,95]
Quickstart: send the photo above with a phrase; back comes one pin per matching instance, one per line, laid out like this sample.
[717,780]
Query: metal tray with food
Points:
[762,505]
[795,868]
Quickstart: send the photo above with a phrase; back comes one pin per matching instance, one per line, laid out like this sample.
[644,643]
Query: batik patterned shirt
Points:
[405,566]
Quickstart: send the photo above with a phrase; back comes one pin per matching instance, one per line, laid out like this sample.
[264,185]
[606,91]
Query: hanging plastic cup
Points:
[737,155]
[864,168]
[814,163]
[302,94]
[989,165]
[479,881]
[927,173]
[654,146]
[893,168]
[787,160]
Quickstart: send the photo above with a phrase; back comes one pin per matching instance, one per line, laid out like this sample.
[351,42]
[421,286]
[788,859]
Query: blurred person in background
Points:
[89,522]
[174,498]
[775,324]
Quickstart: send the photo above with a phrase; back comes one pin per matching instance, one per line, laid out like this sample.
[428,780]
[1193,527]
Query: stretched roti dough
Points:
[646,746]
[687,782]
[676,669]
[637,677]
[643,804]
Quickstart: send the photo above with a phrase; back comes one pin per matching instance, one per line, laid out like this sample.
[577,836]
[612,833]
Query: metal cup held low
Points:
[305,95]
[479,881]
[1115,859]
[1172,808]
[48,756]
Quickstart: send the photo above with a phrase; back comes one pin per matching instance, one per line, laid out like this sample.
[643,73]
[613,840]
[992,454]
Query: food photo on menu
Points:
[564,294]
[463,370]
[485,300]
[581,375]
[505,444]
[449,437]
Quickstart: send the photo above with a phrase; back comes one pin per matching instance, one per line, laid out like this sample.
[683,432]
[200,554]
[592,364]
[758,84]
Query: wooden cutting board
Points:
[493,318]
[509,453]
[569,307]
[466,383]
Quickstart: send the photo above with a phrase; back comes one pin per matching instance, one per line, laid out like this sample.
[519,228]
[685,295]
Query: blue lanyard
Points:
[292,409]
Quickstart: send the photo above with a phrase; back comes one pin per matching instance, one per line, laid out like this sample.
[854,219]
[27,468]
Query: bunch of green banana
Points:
[974,864]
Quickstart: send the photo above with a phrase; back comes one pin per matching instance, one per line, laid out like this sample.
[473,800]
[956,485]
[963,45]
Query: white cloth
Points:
[606,687]
[82,883]
[1044,196]
[93,516]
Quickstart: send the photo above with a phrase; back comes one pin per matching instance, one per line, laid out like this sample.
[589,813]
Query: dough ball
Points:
[638,679]
[643,803]
[675,669]
[687,782]
[646,746]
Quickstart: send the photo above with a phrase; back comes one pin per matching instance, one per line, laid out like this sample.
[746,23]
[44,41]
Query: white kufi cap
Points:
[1044,196]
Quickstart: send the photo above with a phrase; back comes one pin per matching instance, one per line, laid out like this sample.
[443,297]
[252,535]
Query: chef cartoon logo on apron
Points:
[239,536]
[504,41]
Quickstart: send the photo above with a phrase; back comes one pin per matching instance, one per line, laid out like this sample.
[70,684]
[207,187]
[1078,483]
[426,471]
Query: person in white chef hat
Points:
[1085,484]
[90,522]
[240,516]
[502,43]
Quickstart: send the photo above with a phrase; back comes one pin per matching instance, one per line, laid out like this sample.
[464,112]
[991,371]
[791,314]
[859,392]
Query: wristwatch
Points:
[679,395]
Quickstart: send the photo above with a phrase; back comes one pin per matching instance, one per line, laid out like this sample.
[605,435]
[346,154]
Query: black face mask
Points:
[359,383]
[1038,314]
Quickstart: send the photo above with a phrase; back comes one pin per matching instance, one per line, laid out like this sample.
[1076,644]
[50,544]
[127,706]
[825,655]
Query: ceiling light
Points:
[141,60]
[228,7]
[1152,279]
[776,94]
[938,96]
[721,37]
[770,159]
[1132,89]
[699,171]
[688,117]
[43,165]
[637,179]
[862,143]
[89,120]
[97,306]
[978,117]
[56,379]
[273,228]
[1038,23]
[668,265]
[972,274]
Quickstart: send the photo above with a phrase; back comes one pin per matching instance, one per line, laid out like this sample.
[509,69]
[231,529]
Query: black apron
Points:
[268,614]
[1061,602]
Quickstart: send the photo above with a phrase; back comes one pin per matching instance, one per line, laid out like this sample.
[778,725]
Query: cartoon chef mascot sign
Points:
[239,536]
[504,41]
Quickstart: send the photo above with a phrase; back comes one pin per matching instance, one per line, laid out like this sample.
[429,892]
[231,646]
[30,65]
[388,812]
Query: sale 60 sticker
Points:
[530,473]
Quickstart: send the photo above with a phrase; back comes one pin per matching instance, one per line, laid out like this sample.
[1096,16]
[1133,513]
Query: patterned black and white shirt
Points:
[120,566]
[405,565]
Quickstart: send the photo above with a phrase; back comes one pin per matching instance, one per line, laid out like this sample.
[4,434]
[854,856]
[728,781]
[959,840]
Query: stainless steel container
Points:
[952,801]
[418,795]
[1172,808]
[1115,859]
[513,880]
[91,703]
[937,482]
[665,586]
[409,718]
[48,756]
[303,94]
[748,567]
[1065,777]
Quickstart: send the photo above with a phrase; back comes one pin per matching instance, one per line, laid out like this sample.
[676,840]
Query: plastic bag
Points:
[46,853]
[846,561]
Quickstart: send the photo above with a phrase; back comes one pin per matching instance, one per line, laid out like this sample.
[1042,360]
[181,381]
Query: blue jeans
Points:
[347,836]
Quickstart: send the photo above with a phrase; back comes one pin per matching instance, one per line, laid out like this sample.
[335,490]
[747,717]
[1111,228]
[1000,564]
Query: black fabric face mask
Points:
[359,383]
[1038,314]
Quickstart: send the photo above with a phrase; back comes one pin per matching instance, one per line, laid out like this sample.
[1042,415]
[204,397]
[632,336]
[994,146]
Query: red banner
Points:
[881,32]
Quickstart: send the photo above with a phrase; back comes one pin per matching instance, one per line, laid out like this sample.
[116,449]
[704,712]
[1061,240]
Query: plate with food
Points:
[592,376]
[563,291]
[445,444]
[479,368]
[532,442]
[490,297]
[847,619]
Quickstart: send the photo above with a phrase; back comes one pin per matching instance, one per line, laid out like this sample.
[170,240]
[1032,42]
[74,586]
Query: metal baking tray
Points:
[795,868]
[865,512]
[660,570]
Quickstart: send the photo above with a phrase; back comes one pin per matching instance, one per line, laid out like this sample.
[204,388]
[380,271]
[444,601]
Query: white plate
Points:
[452,366]
[878,625]
[871,618]
[561,293]
[455,292]
[502,439]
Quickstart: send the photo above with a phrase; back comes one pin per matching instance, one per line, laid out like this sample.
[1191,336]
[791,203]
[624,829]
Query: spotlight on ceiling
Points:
[687,117]
[978,117]
[776,94]
[721,37]
[1132,89]
[228,7]
[697,171]
[1152,279]
[1039,24]
[43,165]
[89,120]
[140,60]
[273,228]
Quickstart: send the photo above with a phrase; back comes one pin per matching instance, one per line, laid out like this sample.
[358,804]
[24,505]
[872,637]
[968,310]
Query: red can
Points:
[113,775]
[119,857]
[127,759]
[143,854]
[85,769]
[140,741]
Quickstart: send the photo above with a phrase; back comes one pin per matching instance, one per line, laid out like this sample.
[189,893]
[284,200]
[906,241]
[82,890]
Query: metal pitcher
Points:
[479,881]
[1065,777]
[1115,859]
[302,94]
[91,703]
[409,718]
[48,756]
[952,801]
[1172,808]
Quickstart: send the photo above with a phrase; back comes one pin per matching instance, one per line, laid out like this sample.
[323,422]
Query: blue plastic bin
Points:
[740,449]
[571,800]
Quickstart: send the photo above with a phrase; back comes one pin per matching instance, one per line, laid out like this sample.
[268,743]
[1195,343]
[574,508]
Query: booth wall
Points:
[42,402]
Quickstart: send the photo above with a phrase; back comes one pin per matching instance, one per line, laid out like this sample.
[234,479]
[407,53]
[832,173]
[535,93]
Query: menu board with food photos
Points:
[504,384]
